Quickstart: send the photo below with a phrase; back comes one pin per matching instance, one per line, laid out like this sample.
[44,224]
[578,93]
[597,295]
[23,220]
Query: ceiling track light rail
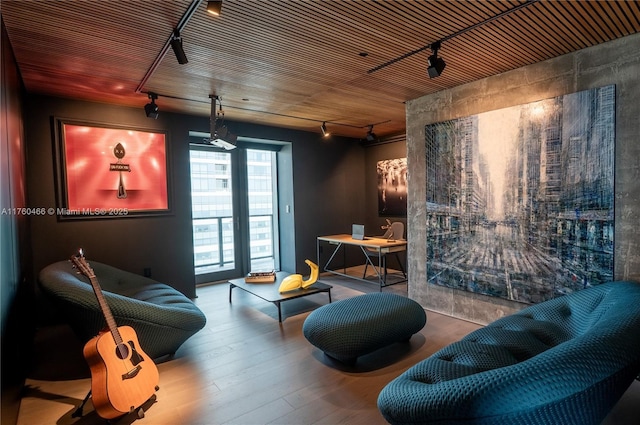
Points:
[182,23]
[221,112]
[455,34]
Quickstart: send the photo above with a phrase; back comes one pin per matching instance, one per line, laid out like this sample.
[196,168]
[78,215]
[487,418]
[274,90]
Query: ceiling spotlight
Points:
[325,132]
[436,64]
[151,109]
[371,136]
[176,45]
[214,7]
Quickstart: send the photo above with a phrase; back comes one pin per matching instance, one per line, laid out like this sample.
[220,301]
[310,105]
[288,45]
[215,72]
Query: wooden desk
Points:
[379,245]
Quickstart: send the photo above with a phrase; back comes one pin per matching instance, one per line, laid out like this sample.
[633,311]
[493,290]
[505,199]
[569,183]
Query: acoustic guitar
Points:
[123,377]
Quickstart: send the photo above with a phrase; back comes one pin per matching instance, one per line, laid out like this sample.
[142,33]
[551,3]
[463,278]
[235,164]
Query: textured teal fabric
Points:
[564,361]
[162,317]
[350,328]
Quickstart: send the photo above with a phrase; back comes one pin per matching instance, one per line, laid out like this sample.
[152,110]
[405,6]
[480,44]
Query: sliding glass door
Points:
[262,210]
[234,201]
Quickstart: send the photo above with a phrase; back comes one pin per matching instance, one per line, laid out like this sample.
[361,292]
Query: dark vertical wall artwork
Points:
[520,201]
[392,187]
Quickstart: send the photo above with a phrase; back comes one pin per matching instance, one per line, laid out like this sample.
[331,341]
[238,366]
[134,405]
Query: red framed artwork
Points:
[107,171]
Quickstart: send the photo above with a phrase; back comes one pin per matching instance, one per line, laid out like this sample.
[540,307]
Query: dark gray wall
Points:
[286,223]
[160,243]
[615,62]
[327,180]
[327,176]
[15,297]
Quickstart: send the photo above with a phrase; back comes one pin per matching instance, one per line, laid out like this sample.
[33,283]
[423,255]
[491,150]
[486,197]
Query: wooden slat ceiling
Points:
[293,63]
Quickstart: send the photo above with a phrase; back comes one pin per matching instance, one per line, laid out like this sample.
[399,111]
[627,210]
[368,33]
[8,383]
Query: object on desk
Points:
[357,231]
[261,277]
[295,281]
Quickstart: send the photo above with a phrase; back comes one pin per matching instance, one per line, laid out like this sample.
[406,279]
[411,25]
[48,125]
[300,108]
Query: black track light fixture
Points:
[436,64]
[371,136]
[151,109]
[220,135]
[176,45]
[214,7]
[324,130]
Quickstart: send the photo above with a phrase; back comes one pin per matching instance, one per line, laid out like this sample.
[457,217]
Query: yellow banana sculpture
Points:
[295,281]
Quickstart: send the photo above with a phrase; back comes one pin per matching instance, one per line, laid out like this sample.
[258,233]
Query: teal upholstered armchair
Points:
[162,317]
[563,361]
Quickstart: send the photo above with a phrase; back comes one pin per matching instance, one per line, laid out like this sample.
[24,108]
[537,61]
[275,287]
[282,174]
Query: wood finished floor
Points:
[246,368]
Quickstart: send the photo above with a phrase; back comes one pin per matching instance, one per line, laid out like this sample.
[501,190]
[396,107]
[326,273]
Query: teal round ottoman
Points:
[347,329]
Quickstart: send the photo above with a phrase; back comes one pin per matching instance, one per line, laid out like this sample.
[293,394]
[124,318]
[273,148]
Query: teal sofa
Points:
[162,317]
[564,361]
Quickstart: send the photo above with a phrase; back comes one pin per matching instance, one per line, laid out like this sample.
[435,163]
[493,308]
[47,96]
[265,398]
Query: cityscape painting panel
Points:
[520,201]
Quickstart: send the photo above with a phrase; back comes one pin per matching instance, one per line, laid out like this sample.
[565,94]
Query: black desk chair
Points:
[395,231]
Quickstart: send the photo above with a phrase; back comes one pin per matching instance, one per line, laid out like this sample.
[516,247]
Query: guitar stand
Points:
[78,413]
